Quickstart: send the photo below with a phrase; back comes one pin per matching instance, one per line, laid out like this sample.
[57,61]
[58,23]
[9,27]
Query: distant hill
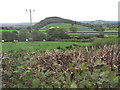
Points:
[99,22]
[50,20]
[17,24]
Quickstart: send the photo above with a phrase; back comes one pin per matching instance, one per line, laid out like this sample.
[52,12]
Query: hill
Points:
[100,22]
[50,20]
[66,26]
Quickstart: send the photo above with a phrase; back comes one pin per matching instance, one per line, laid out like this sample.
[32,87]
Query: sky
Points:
[14,11]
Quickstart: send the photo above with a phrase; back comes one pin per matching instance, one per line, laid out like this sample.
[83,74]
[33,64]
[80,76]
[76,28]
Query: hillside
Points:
[66,26]
[50,20]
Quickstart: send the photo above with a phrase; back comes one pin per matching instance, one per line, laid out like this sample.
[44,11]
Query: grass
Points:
[67,26]
[108,34]
[112,36]
[10,30]
[111,31]
[105,41]
[42,30]
[37,46]
[81,33]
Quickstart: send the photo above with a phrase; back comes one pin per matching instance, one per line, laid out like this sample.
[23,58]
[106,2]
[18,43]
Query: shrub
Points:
[23,35]
[9,36]
[84,36]
[56,33]
[73,29]
[38,35]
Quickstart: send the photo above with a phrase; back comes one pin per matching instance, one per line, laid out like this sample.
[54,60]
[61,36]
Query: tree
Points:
[6,36]
[14,35]
[9,36]
[101,30]
[23,35]
[73,28]
[57,33]
[38,35]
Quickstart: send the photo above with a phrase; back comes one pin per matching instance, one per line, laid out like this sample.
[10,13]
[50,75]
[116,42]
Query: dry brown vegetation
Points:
[54,62]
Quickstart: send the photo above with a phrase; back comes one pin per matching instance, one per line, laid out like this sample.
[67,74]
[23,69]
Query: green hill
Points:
[66,26]
[51,20]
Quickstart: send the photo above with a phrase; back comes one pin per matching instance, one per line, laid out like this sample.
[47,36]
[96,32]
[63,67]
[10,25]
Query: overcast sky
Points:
[14,11]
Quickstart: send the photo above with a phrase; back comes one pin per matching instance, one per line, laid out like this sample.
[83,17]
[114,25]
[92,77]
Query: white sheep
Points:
[26,40]
[3,40]
[44,40]
[15,41]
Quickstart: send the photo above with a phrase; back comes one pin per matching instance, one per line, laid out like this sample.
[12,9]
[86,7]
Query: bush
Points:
[38,35]
[85,40]
[84,36]
[73,29]
[56,34]
[23,35]
[9,36]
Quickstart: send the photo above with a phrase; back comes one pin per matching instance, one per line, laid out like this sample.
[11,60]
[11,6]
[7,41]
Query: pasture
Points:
[55,64]
[10,30]
[37,46]
[110,35]
[67,26]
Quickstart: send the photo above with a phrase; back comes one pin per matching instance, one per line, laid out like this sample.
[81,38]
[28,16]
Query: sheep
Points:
[26,40]
[3,40]
[15,41]
[44,40]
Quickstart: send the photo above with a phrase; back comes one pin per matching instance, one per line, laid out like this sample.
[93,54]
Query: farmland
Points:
[82,59]
[37,46]
[67,26]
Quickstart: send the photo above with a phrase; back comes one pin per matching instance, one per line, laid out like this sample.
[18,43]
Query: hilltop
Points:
[50,20]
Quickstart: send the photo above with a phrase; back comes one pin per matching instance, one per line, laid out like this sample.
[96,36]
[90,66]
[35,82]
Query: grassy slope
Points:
[80,29]
[67,26]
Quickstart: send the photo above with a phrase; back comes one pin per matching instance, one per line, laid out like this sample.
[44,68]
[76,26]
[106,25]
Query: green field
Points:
[10,30]
[67,26]
[41,46]
[82,33]
[108,34]
[37,46]
[87,62]
[111,31]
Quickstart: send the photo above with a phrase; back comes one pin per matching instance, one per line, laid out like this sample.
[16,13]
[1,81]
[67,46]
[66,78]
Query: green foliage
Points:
[38,35]
[85,36]
[73,29]
[56,33]
[23,35]
[100,29]
[10,36]
[105,41]
[68,69]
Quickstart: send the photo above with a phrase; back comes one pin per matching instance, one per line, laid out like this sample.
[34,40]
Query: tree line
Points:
[50,34]
[35,35]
